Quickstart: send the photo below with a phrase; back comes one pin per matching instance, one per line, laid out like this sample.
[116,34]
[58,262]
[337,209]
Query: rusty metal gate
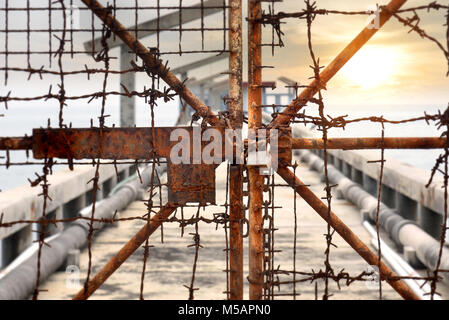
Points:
[193,185]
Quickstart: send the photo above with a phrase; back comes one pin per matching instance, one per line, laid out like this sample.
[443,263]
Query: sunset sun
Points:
[371,68]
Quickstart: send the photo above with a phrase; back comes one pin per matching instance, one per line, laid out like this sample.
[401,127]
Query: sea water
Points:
[20,120]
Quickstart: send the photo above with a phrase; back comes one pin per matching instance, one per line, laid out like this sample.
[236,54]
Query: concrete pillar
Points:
[291,94]
[100,193]
[277,100]
[73,258]
[370,185]
[184,113]
[212,99]
[218,100]
[202,94]
[15,244]
[127,104]
[430,221]
[90,196]
[59,216]
[406,207]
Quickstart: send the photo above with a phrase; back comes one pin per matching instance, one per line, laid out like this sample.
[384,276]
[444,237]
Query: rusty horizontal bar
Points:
[137,143]
[370,143]
[125,252]
[153,64]
[16,143]
[108,143]
[283,119]
[345,232]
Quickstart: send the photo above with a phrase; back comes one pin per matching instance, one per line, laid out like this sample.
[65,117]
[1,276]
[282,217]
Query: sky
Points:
[395,67]
[414,68]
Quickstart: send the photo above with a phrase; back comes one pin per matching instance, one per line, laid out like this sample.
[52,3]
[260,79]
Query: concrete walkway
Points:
[169,267]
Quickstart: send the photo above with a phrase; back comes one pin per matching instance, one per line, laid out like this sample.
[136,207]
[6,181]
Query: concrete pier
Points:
[169,266]
[70,192]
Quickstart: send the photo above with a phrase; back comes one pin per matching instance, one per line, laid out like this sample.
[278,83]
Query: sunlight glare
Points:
[371,67]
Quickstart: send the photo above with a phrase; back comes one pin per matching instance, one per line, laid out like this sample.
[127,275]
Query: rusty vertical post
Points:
[255,179]
[236,172]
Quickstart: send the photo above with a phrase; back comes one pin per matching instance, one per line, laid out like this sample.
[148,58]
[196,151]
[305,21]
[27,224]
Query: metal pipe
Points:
[24,256]
[387,256]
[19,283]
[255,179]
[403,232]
[26,143]
[16,143]
[345,232]
[370,143]
[151,62]
[235,107]
[284,118]
[427,248]
[399,265]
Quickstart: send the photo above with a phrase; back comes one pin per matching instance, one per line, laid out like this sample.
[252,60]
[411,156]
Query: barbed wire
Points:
[68,38]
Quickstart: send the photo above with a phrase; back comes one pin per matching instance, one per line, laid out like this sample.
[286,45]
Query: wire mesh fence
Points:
[71,54]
